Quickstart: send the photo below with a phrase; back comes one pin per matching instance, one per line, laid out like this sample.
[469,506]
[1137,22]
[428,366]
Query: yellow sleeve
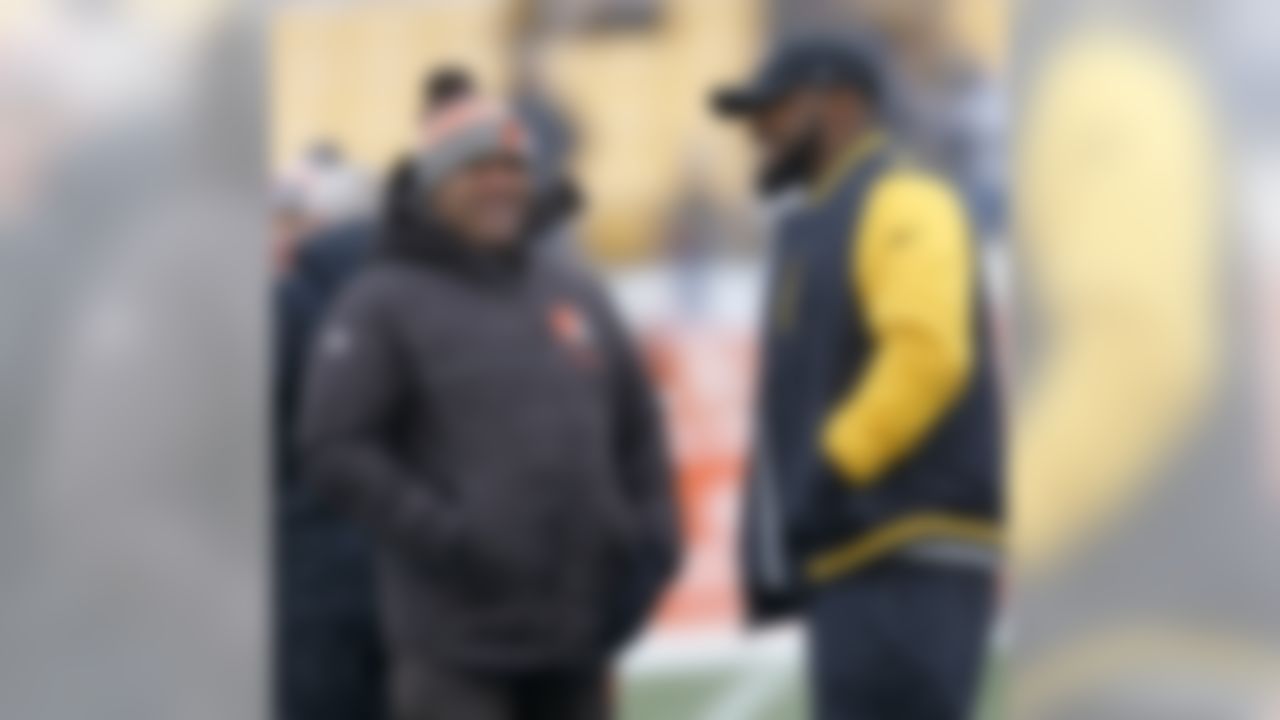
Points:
[913,277]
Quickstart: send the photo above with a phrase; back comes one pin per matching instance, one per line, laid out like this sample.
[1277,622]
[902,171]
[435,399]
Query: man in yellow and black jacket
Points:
[874,502]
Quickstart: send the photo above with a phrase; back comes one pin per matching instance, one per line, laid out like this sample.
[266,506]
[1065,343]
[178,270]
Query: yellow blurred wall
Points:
[637,99]
[351,72]
[982,28]
[641,101]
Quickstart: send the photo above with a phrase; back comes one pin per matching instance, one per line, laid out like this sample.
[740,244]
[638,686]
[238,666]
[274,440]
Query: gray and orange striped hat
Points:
[465,132]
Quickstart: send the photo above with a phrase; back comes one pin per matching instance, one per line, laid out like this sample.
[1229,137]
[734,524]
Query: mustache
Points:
[796,164]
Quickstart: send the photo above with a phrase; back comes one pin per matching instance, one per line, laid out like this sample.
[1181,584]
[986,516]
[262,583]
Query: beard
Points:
[796,164]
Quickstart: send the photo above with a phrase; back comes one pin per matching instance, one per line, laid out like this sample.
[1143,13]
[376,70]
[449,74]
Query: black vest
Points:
[816,346]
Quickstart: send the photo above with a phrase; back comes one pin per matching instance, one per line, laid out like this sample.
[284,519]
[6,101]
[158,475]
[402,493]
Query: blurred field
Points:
[738,691]
[725,676]
[715,695]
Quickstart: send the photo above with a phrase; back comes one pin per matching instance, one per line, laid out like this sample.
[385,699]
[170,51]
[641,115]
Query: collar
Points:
[853,156]
[423,239]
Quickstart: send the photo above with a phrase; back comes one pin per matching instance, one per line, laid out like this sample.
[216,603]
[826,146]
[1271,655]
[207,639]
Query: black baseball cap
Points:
[810,62]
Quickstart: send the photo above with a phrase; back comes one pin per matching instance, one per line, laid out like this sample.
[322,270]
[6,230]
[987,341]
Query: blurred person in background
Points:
[552,132]
[476,405]
[875,495]
[330,662]
[289,224]
[335,192]
[335,204]
[554,136]
[1145,568]
[946,106]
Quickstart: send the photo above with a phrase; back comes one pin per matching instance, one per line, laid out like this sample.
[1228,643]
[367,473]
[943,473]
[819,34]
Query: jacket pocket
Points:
[825,505]
[511,550]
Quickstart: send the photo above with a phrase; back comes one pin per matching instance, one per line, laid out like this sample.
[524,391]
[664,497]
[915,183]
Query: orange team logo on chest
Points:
[571,328]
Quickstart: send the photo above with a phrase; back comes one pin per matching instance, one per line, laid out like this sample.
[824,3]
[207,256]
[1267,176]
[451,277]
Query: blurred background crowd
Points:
[616,91]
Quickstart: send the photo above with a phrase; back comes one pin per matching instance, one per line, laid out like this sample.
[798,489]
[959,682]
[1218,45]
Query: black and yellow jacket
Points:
[879,420]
